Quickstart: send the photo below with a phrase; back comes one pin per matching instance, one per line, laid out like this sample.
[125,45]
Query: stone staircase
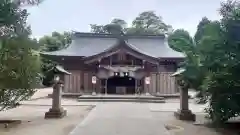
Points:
[121,98]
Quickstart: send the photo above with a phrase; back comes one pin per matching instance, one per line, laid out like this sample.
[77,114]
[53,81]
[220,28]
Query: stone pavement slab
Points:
[120,119]
[171,107]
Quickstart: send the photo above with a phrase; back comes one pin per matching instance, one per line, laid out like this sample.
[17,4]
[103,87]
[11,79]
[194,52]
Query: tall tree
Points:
[116,26]
[54,42]
[120,22]
[213,67]
[148,23]
[95,28]
[19,65]
[200,28]
[180,40]
[27,2]
[13,20]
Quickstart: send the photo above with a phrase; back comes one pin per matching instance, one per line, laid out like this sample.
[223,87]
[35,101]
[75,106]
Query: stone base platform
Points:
[76,95]
[121,98]
[185,115]
[55,113]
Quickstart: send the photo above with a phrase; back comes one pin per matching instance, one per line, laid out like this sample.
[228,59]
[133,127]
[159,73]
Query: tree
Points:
[222,82]
[213,67]
[98,28]
[116,26]
[27,2]
[148,23]
[12,21]
[119,22]
[200,28]
[180,40]
[19,71]
[19,65]
[54,42]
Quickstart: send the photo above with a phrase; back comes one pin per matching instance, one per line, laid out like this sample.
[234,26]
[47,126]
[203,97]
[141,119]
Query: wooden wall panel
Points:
[163,83]
[66,83]
[86,80]
[153,79]
[77,80]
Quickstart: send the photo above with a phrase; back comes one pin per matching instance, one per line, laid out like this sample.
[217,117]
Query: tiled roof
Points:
[89,44]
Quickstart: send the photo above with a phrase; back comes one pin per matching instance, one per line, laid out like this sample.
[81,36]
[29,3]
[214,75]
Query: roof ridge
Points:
[108,35]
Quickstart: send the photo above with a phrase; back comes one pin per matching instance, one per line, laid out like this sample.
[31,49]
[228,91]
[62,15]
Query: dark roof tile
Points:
[89,44]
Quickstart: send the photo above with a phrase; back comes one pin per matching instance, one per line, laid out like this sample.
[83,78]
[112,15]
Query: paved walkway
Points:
[120,119]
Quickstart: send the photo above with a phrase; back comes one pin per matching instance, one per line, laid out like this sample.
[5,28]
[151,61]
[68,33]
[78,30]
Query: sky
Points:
[77,15]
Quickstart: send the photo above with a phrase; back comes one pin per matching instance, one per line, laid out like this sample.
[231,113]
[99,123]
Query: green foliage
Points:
[13,20]
[213,65]
[19,71]
[98,28]
[19,65]
[148,23]
[200,28]
[27,2]
[180,40]
[54,42]
[145,23]
[117,26]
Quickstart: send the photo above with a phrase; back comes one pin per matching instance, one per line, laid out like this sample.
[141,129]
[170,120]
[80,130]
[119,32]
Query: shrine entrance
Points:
[121,85]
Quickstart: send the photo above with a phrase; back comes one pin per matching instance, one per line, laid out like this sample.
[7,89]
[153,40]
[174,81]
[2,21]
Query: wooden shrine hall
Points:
[118,64]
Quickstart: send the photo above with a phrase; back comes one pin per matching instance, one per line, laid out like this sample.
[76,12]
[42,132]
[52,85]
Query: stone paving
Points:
[173,106]
[120,119]
[33,122]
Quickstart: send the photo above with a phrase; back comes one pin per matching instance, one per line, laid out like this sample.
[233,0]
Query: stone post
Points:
[56,111]
[184,99]
[184,113]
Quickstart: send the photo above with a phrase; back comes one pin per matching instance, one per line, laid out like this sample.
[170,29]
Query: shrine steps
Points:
[121,98]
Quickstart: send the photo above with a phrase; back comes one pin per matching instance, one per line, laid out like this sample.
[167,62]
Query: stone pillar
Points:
[184,113]
[56,111]
[184,100]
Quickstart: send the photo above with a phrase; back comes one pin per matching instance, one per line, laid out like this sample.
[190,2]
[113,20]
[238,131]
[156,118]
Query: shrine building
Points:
[118,64]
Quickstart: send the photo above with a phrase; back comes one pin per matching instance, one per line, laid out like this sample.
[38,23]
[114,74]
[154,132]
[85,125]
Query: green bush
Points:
[19,71]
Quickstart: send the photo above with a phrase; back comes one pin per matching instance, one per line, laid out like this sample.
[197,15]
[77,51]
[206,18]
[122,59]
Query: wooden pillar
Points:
[147,81]
[157,81]
[110,61]
[106,86]
[143,64]
[136,85]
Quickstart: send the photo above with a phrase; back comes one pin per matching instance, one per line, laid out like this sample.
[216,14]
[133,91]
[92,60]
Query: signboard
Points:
[94,79]
[147,80]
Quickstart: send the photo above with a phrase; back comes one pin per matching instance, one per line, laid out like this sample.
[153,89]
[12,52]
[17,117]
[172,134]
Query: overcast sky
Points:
[68,15]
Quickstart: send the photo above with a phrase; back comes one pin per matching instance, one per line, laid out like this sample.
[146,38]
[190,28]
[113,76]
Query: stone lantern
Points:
[57,111]
[183,113]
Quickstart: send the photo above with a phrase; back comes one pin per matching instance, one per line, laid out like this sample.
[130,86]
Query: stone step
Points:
[123,100]
[76,95]
[122,97]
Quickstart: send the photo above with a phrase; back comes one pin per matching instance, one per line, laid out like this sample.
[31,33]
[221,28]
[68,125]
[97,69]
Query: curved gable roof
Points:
[90,44]
[158,48]
[85,47]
